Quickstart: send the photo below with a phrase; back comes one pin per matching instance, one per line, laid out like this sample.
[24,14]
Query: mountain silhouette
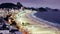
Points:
[10,5]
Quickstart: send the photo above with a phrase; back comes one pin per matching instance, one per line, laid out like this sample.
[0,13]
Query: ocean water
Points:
[51,16]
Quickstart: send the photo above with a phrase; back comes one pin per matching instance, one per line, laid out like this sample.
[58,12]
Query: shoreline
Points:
[42,20]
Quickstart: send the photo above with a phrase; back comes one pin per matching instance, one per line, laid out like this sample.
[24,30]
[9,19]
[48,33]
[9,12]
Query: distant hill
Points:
[7,5]
[42,9]
[10,5]
[19,5]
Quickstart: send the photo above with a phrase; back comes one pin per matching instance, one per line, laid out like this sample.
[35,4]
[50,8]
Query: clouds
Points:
[36,3]
[23,1]
[32,1]
[43,3]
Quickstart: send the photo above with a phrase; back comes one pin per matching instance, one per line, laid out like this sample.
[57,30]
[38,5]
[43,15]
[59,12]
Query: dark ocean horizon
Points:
[49,16]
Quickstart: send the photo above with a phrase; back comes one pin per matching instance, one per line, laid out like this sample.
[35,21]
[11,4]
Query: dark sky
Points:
[36,3]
